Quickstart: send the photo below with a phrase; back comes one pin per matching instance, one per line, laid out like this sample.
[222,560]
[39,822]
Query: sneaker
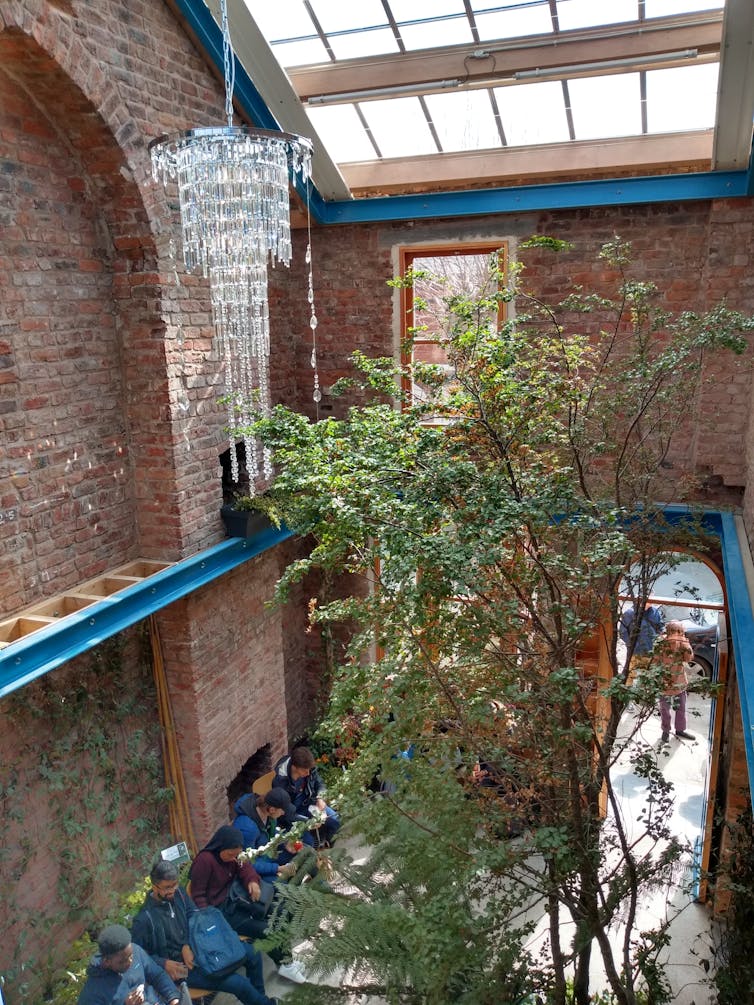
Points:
[665,738]
[683,735]
[293,971]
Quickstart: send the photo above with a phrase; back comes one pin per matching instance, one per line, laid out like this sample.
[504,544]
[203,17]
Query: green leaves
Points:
[486,530]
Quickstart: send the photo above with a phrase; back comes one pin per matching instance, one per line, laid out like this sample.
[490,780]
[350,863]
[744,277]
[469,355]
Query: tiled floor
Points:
[685,763]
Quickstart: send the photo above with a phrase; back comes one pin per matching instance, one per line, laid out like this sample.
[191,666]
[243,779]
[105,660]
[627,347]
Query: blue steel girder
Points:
[47,648]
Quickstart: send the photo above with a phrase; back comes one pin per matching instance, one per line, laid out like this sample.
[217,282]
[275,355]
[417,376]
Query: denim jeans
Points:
[249,989]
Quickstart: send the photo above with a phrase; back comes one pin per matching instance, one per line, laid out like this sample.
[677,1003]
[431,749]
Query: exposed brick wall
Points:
[69,802]
[223,650]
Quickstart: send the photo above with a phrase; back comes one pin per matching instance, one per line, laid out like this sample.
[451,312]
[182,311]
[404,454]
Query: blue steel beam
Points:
[741,632]
[47,648]
[529,198]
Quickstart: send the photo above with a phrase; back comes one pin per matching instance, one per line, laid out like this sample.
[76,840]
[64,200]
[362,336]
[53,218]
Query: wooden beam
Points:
[503,59]
[625,155]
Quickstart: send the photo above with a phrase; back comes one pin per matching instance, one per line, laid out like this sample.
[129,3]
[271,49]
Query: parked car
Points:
[703,639]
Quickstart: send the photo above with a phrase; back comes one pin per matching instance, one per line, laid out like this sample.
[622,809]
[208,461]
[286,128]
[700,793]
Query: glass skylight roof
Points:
[629,98]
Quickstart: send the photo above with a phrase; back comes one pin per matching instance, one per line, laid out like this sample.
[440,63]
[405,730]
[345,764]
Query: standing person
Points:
[672,651]
[643,637]
[122,973]
[298,775]
[161,928]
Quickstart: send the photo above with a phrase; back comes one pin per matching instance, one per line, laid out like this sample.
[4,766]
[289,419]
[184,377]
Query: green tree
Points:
[488,529]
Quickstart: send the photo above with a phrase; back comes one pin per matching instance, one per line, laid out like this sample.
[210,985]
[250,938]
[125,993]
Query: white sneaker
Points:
[293,971]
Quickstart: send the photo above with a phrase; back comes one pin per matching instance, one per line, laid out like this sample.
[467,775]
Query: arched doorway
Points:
[691,589]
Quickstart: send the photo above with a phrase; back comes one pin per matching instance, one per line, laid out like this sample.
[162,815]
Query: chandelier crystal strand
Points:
[316,393]
[233,195]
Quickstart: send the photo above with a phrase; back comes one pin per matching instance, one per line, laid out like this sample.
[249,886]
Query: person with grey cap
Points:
[123,974]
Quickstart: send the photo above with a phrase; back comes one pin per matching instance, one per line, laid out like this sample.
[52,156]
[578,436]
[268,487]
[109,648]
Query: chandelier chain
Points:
[229,63]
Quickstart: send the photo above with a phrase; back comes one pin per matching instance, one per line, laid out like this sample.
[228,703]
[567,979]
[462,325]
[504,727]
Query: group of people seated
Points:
[147,964]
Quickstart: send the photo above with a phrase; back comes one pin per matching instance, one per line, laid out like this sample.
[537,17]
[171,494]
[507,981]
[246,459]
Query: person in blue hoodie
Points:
[123,974]
[257,819]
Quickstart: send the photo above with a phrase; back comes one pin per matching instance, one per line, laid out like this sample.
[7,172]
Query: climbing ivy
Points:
[83,806]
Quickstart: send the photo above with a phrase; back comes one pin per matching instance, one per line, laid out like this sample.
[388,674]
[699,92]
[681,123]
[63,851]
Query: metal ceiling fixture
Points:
[235,214]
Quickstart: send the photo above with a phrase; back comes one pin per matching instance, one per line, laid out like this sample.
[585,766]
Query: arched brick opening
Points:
[94,465]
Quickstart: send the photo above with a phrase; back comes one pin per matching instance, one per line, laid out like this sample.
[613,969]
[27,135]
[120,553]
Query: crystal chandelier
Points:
[234,205]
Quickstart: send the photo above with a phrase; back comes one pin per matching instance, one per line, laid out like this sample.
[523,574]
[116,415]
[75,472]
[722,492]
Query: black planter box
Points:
[243,522]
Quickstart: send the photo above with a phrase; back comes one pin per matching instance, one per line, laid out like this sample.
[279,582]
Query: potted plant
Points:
[246,516]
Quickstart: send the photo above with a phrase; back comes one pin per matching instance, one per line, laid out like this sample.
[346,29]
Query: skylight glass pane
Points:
[533,113]
[518,21]
[666,8]
[683,97]
[399,127]
[605,106]
[589,13]
[454,31]
[363,43]
[282,19]
[463,120]
[340,15]
[415,10]
[341,131]
[300,53]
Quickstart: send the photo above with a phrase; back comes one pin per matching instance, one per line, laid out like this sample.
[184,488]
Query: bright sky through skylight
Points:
[583,108]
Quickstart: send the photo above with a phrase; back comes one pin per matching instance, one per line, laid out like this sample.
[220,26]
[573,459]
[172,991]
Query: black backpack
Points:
[217,949]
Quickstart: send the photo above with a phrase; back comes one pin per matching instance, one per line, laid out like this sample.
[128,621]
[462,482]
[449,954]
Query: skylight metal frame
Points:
[402,204]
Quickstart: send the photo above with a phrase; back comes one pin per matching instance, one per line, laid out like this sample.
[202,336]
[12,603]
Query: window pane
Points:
[340,15]
[467,274]
[529,20]
[464,120]
[666,8]
[399,127]
[606,106]
[300,53]
[363,43]
[415,10]
[282,19]
[454,31]
[340,129]
[533,113]
[683,97]
[588,13]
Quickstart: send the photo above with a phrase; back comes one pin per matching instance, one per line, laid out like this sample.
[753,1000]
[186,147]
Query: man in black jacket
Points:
[297,774]
[162,928]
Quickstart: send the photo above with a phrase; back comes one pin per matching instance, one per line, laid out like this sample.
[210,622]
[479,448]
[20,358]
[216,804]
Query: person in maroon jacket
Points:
[212,874]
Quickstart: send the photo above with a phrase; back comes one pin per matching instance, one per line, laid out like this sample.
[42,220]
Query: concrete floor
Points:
[686,764]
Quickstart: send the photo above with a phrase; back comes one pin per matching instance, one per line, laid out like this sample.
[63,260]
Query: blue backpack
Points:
[217,949]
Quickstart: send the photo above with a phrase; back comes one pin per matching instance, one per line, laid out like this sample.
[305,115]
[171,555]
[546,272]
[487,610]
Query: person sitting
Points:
[212,874]
[298,775]
[257,819]
[122,973]
[161,928]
